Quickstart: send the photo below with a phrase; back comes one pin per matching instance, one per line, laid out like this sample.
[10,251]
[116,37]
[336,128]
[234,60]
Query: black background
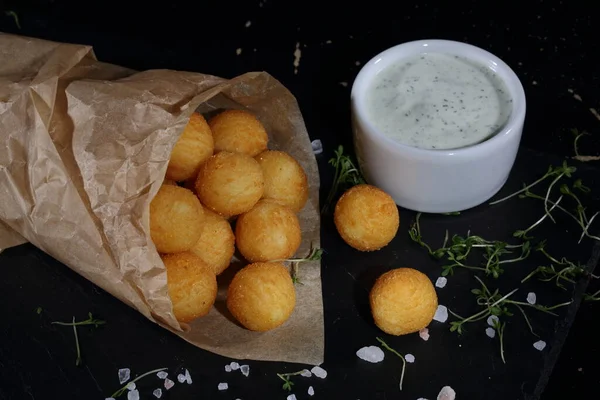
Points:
[552,46]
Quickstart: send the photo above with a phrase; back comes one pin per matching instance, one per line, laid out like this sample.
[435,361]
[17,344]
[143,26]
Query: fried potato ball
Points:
[238,131]
[176,217]
[366,217]
[230,183]
[285,179]
[261,296]
[192,285]
[216,244]
[270,231]
[403,301]
[195,146]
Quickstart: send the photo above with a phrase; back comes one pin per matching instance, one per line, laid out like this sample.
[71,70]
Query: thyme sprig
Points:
[346,175]
[388,348]
[90,321]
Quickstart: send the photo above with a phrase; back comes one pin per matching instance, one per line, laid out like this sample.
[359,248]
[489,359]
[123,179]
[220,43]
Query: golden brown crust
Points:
[270,231]
[238,131]
[366,218]
[230,183]
[403,301]
[261,296]
[192,285]
[176,217]
[217,242]
[285,179]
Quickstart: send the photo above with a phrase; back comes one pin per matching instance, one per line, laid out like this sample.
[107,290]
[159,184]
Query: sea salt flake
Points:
[188,377]
[311,391]
[131,386]
[372,354]
[319,372]
[181,378]
[248,23]
[493,320]
[490,332]
[223,386]
[157,393]
[531,298]
[306,373]
[124,375]
[291,397]
[447,393]
[234,366]
[441,314]
[540,345]
[424,334]
[169,383]
[133,395]
[441,282]
[409,358]
[162,374]
[228,368]
[245,370]
[317,146]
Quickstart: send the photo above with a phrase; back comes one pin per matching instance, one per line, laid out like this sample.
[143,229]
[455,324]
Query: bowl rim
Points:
[512,127]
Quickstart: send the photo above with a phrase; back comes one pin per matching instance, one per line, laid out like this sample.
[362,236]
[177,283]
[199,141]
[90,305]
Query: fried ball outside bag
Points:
[285,179]
[194,146]
[261,296]
[176,217]
[403,301]
[230,183]
[268,232]
[216,244]
[192,285]
[238,131]
[366,218]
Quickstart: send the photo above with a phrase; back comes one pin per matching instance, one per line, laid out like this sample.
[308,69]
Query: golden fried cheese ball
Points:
[268,232]
[238,131]
[216,244]
[261,296]
[403,301]
[192,285]
[285,179]
[230,183]
[366,217]
[195,146]
[176,217]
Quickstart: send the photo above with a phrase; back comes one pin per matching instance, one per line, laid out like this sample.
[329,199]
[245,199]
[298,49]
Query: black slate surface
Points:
[551,46]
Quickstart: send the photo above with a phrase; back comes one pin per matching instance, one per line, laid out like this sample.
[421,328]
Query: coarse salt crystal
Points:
[131,386]
[441,282]
[306,373]
[169,383]
[157,393]
[441,314]
[424,334]
[223,386]
[181,378]
[162,374]
[311,391]
[124,375]
[133,395]
[245,370]
[319,372]
[188,377]
[291,397]
[531,298]
[490,332]
[228,368]
[248,23]
[317,146]
[540,345]
[409,358]
[493,320]
[234,366]
[372,354]
[447,393]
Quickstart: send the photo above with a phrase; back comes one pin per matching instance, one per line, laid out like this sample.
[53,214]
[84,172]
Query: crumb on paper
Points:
[539,345]
[491,332]
[441,282]
[447,393]
[169,383]
[133,395]
[291,397]
[319,372]
[234,366]
[228,368]
[130,386]
[372,354]
[441,314]
[157,393]
[248,23]
[223,386]
[245,370]
[311,391]
[424,334]
[297,56]
[317,146]
[238,51]
[124,375]
[493,320]
[531,298]
[344,84]
[409,358]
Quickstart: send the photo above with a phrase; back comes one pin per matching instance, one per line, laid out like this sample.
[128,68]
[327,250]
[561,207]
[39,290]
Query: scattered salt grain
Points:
[493,320]
[441,282]
[311,391]
[157,393]
[181,378]
[188,377]
[223,386]
[245,369]
[131,386]
[124,375]
[317,146]
[344,84]
[248,24]
[297,56]
[421,398]
[531,298]
[372,354]
[306,373]
[228,368]
[162,374]
[291,397]
[357,63]
[447,393]
[319,372]
[441,314]
[490,332]
[234,366]
[540,345]
[109,398]
[133,395]
[238,51]
[409,358]
[328,42]
[424,334]
[169,384]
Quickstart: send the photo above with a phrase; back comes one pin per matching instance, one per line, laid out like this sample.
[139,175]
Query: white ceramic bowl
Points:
[436,181]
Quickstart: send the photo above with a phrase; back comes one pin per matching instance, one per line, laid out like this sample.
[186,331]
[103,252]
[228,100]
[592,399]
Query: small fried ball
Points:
[176,217]
[195,146]
[403,301]
[285,179]
[192,285]
[230,183]
[238,131]
[216,244]
[261,296]
[270,231]
[366,217]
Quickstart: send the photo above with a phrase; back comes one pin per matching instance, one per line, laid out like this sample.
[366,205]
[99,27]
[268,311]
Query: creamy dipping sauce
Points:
[438,101]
